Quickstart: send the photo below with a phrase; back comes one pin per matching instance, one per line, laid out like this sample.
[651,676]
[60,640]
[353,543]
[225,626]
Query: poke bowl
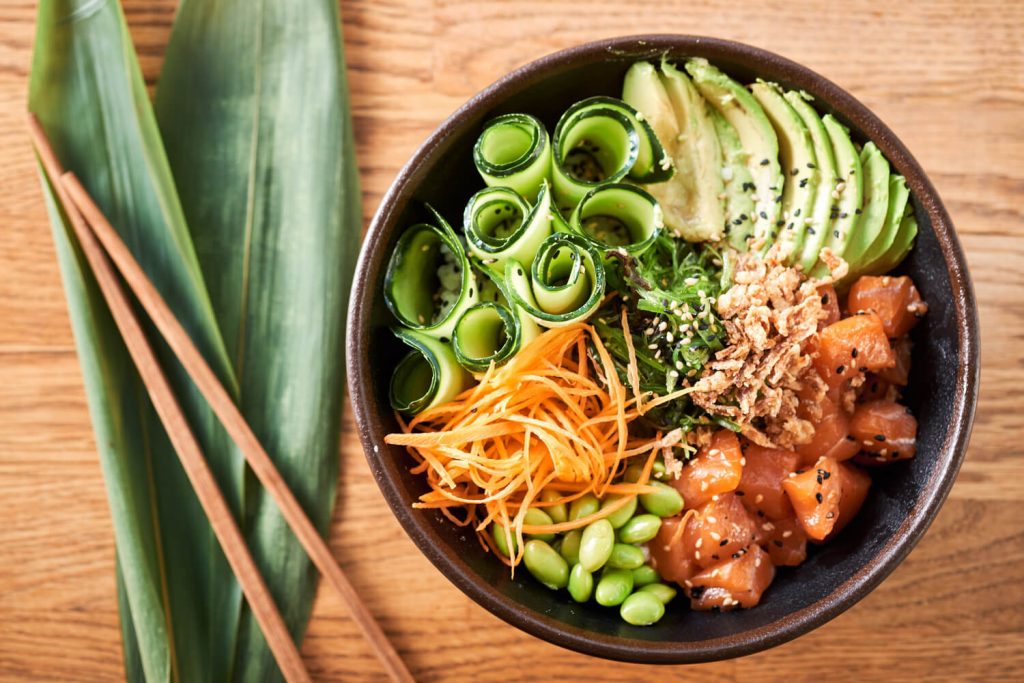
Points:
[940,389]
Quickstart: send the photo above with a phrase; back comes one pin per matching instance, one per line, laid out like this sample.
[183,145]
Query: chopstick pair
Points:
[101,244]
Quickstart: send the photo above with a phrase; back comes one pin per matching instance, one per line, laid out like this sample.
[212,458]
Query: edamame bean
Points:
[641,608]
[584,507]
[625,556]
[632,474]
[545,564]
[640,529]
[614,587]
[596,544]
[581,583]
[558,513]
[658,469]
[498,534]
[645,575]
[662,591]
[536,516]
[664,502]
[570,549]
[623,514]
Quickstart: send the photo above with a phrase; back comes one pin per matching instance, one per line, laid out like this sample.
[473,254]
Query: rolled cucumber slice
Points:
[739,185]
[847,194]
[486,333]
[429,283]
[618,215]
[430,374]
[899,196]
[601,139]
[872,212]
[500,225]
[745,114]
[799,167]
[565,283]
[514,151]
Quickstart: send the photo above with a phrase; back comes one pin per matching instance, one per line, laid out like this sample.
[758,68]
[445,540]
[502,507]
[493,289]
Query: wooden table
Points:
[948,78]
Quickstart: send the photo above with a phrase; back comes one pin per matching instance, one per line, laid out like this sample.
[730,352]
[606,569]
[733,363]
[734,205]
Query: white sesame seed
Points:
[767,526]
[696,554]
[652,346]
[787,534]
[673,373]
[716,536]
[759,498]
[757,562]
[714,497]
[699,543]
[669,338]
[688,583]
[712,520]
[703,486]
[743,462]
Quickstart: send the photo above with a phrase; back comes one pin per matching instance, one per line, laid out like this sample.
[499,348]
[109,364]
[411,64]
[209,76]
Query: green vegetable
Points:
[640,529]
[546,565]
[428,376]
[662,591]
[584,506]
[625,556]
[581,583]
[847,193]
[875,256]
[558,513]
[537,517]
[875,204]
[623,514]
[664,502]
[498,534]
[617,215]
[614,586]
[514,151]
[645,575]
[596,544]
[570,549]
[641,609]
[499,225]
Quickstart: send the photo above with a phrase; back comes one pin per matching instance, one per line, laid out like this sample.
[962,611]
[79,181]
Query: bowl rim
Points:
[794,624]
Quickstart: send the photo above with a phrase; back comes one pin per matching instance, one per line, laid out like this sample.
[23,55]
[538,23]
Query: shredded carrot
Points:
[555,417]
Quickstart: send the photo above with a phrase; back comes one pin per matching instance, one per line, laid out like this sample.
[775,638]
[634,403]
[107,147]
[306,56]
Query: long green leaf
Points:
[253,107]
[180,603]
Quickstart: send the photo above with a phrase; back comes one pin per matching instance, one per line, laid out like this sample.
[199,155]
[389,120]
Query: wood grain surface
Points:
[947,76]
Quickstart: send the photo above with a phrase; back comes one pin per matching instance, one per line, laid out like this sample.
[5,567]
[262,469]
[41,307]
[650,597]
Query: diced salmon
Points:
[886,429]
[829,304]
[785,541]
[673,560]
[895,300]
[761,484]
[734,583]
[874,388]
[815,495]
[852,345]
[854,484]
[831,432]
[720,529]
[713,470]
[900,373]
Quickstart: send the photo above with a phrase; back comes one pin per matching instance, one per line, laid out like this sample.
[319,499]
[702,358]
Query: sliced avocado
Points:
[900,246]
[899,195]
[739,184]
[741,110]
[847,193]
[817,223]
[872,212]
[799,167]
[698,158]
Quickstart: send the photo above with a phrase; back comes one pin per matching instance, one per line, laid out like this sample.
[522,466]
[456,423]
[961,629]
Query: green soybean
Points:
[632,474]
[614,587]
[581,583]
[498,534]
[584,507]
[536,516]
[558,513]
[546,565]
[625,556]
[658,468]
[570,549]
[664,502]
[640,529]
[662,591]
[623,514]
[641,608]
[645,575]
[596,544]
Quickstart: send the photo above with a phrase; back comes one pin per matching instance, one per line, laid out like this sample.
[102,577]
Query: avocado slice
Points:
[900,246]
[873,210]
[899,196]
[739,184]
[741,110]
[847,193]
[799,167]
[816,225]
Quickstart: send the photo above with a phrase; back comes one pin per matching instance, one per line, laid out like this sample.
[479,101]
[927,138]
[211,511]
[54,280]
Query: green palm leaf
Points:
[180,604]
[253,107]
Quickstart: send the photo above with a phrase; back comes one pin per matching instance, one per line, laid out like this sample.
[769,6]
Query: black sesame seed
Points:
[794,172]
[829,515]
[797,212]
[738,221]
[835,233]
[858,211]
[763,215]
[803,182]
[854,352]
[715,557]
[760,513]
[744,217]
[778,544]
[841,369]
[519,272]
[824,299]
[810,165]
[445,340]
[724,541]
[810,230]
[843,214]
[850,438]
[764,162]
[779,223]
[740,493]
[879,437]
[737,555]
[697,591]
[819,479]
[749,187]
[818,497]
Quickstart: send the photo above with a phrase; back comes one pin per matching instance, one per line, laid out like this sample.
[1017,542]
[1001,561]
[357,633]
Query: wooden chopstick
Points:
[181,436]
[220,401]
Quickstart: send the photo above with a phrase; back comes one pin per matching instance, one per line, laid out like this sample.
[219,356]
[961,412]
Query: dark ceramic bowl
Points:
[905,497]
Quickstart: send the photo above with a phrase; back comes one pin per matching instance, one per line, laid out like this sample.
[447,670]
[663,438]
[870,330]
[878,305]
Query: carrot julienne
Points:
[555,417]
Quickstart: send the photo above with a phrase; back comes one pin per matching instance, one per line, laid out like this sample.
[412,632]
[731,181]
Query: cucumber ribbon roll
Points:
[429,375]
[600,140]
[618,215]
[500,225]
[514,151]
